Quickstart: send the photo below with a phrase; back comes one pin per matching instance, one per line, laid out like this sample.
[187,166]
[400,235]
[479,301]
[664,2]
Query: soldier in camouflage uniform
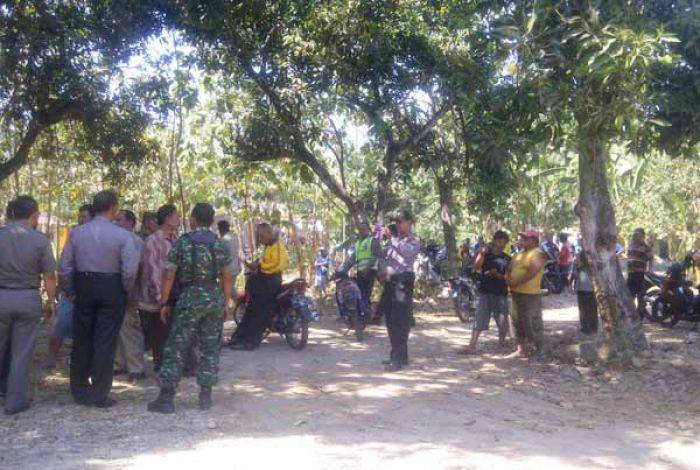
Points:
[202,264]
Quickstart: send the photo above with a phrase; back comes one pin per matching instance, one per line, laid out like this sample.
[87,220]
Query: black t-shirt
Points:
[490,284]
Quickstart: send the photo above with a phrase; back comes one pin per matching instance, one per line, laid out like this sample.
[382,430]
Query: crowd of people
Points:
[118,293]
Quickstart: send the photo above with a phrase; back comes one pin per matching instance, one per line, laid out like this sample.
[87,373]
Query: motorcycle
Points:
[463,295]
[436,257]
[349,301]
[669,306]
[292,313]
[552,281]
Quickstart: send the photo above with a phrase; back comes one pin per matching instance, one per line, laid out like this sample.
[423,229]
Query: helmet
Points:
[675,271]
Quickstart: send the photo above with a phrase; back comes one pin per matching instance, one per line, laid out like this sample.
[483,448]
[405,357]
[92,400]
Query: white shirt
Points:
[231,240]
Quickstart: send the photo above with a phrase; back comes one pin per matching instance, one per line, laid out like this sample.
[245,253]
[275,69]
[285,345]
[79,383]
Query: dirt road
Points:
[332,406]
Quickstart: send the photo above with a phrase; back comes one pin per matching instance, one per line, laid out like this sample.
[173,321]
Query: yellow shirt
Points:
[274,259]
[520,263]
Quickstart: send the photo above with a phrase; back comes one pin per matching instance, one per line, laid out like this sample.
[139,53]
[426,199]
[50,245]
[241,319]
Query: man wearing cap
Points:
[98,269]
[397,271]
[492,299]
[639,258]
[27,257]
[524,278]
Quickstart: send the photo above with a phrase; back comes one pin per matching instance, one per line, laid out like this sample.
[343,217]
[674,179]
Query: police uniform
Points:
[198,258]
[25,254]
[398,263]
[98,266]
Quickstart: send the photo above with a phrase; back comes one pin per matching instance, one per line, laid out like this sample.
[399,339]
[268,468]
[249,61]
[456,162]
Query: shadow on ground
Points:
[332,406]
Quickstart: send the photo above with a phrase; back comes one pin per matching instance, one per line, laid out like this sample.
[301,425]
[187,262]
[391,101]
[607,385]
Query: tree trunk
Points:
[449,231]
[622,328]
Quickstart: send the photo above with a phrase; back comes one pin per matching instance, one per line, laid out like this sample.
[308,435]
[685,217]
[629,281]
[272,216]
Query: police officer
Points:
[202,263]
[367,251]
[98,269]
[397,271]
[25,256]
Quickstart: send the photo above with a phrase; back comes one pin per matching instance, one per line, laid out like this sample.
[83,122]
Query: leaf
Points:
[660,122]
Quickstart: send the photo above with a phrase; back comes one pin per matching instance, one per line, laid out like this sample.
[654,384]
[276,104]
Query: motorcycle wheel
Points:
[663,313]
[357,324]
[649,298]
[555,285]
[238,312]
[297,330]
[465,313]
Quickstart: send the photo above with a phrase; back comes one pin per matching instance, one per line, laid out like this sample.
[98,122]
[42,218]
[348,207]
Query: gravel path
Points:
[332,406]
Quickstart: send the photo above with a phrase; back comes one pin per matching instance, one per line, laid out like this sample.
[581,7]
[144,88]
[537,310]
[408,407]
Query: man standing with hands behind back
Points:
[98,269]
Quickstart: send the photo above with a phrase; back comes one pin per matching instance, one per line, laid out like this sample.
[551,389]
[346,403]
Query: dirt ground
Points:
[332,406]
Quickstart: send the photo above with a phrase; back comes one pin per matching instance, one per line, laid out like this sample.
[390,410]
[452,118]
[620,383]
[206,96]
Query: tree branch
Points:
[56,113]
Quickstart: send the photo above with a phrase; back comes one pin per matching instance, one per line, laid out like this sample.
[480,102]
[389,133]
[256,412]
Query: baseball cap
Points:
[530,233]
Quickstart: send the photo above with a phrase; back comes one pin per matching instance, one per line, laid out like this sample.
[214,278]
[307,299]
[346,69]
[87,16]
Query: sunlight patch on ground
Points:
[312,452]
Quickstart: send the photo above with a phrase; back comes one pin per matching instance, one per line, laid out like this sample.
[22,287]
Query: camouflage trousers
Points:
[193,320]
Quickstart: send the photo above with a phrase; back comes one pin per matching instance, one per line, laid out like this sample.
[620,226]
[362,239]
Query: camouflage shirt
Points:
[198,257]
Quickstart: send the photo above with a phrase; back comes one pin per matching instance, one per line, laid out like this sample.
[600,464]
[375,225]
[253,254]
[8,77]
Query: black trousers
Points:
[262,290]
[99,311]
[366,283]
[399,302]
[5,359]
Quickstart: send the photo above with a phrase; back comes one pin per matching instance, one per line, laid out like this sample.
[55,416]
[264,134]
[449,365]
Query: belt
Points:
[19,288]
[99,275]
[200,284]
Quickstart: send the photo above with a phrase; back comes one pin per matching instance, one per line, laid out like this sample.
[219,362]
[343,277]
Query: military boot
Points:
[164,402]
[205,398]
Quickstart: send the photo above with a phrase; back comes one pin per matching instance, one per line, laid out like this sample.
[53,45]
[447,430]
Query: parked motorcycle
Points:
[667,303]
[349,301]
[552,280]
[292,313]
[463,295]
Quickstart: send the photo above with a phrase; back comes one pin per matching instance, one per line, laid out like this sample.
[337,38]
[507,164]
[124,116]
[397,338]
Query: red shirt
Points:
[565,255]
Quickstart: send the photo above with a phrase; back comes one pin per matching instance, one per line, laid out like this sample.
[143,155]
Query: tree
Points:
[367,61]
[58,61]
[592,64]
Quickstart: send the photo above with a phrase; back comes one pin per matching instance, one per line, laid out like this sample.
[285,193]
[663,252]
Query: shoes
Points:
[205,398]
[164,403]
[387,362]
[105,403]
[22,408]
[242,347]
[81,400]
[393,367]
[120,372]
[136,376]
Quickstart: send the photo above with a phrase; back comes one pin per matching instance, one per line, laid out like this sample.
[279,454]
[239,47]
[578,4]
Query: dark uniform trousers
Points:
[262,289]
[399,303]
[366,283]
[99,311]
